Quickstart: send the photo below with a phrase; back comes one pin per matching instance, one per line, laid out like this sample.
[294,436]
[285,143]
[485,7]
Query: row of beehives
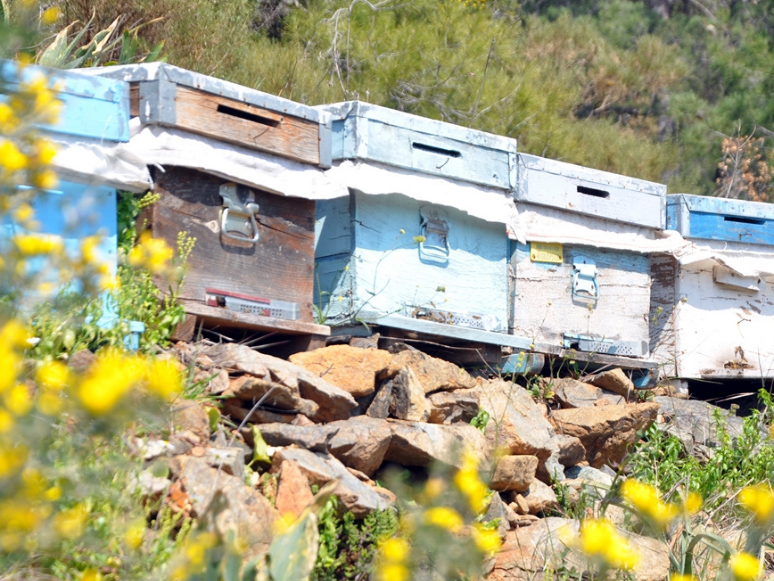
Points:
[311,217]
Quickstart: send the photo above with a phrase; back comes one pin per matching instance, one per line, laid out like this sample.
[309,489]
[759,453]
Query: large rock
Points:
[453,407]
[321,468]
[380,405]
[514,473]
[528,552]
[433,374]
[569,449]
[239,410]
[540,498]
[280,397]
[352,369]
[315,438]
[190,416]
[293,491]
[614,380]
[571,393]
[693,421]
[231,460]
[419,444]
[334,403]
[246,511]
[408,397]
[516,421]
[606,431]
[361,443]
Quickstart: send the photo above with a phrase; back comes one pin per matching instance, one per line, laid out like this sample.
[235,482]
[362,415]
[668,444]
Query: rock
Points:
[151,449]
[523,428]
[246,511]
[419,444]
[334,403]
[571,393]
[551,470]
[371,342]
[433,374]
[614,380]
[534,549]
[238,410]
[315,438]
[588,474]
[514,473]
[150,486]
[540,498]
[606,431]
[230,460]
[81,360]
[692,421]
[281,397]
[511,515]
[321,468]
[293,491]
[497,509]
[219,383]
[570,450]
[352,369]
[380,406]
[453,407]
[519,505]
[408,397]
[191,416]
[361,443]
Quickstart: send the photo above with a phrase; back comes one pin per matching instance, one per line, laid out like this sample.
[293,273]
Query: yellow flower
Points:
[681,577]
[70,523]
[91,575]
[196,549]
[164,378]
[11,159]
[135,535]
[50,403]
[45,151]
[469,483]
[434,487]
[45,179]
[600,539]
[283,523]
[53,494]
[24,213]
[12,458]
[745,567]
[444,517]
[392,572]
[151,253]
[8,119]
[759,500]
[6,421]
[18,400]
[109,378]
[53,375]
[50,15]
[395,549]
[37,244]
[487,540]
[693,503]
[645,499]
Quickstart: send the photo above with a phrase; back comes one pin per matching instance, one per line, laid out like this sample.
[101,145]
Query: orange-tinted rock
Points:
[350,368]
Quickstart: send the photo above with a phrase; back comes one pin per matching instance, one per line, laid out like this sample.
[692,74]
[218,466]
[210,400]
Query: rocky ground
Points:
[345,413]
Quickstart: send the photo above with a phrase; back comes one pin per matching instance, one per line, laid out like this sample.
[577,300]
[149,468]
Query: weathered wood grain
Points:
[663,304]
[216,316]
[247,125]
[279,266]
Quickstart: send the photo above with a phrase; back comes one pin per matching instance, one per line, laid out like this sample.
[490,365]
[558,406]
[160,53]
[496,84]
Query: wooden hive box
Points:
[94,111]
[252,265]
[582,268]
[409,259]
[714,305]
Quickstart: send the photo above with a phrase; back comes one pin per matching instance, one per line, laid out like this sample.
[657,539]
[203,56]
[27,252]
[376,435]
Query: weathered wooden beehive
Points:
[94,119]
[713,304]
[581,261]
[236,168]
[420,242]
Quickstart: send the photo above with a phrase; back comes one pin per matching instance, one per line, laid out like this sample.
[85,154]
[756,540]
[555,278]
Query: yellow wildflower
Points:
[53,375]
[89,249]
[53,494]
[600,539]
[8,119]
[11,159]
[759,500]
[24,213]
[395,549]
[50,403]
[164,378]
[45,179]
[681,577]
[434,487]
[91,575]
[12,458]
[70,523]
[135,535]
[392,572]
[693,503]
[6,421]
[17,400]
[444,517]
[646,500]
[45,151]
[487,540]
[14,334]
[151,253]
[196,549]
[50,15]
[283,523]
[745,567]
[37,244]
[107,381]
[469,483]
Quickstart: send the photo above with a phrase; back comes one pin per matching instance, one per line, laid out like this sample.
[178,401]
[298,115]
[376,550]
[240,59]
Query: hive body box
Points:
[94,110]
[579,281]
[252,243]
[450,281]
[714,306]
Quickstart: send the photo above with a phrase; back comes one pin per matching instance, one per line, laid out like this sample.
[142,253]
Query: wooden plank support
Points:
[217,316]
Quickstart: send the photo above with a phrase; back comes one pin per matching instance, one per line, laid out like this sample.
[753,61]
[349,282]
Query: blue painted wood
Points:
[380,267]
[373,133]
[709,218]
[92,106]
[588,191]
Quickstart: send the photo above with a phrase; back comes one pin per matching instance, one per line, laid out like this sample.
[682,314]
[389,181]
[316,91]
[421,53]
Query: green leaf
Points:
[213,414]
[260,448]
[293,553]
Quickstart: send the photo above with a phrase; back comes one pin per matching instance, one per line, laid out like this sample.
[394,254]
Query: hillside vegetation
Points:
[662,90]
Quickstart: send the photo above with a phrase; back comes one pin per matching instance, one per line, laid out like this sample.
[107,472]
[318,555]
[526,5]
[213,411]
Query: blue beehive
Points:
[582,262]
[95,112]
[717,298]
[412,247]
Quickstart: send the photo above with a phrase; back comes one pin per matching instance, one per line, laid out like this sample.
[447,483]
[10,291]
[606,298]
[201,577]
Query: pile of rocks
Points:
[342,413]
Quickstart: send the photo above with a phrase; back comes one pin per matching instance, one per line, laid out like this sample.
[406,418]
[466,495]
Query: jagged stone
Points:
[190,416]
[570,450]
[380,405]
[316,438]
[571,393]
[239,358]
[605,431]
[361,443]
[614,380]
[433,374]
[321,468]
[514,473]
[293,491]
[453,407]
[352,369]
[693,422]
[408,397]
[230,460]
[539,498]
[239,410]
[420,444]
[497,509]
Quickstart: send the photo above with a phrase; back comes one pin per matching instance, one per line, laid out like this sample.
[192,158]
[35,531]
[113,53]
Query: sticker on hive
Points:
[544,252]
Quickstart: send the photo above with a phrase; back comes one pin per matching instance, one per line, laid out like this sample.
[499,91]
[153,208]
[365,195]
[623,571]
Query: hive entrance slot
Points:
[247,116]
[741,220]
[593,192]
[438,150]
